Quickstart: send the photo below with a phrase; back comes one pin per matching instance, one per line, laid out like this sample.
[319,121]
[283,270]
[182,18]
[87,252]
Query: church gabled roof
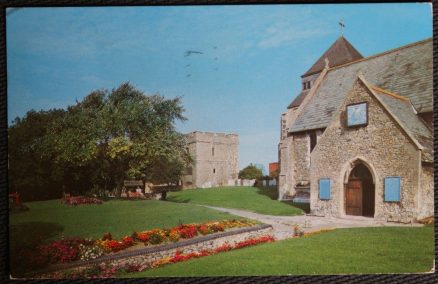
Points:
[340,52]
[298,99]
[406,71]
[403,111]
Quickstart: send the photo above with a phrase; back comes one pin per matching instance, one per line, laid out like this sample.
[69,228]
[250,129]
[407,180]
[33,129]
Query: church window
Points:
[325,185]
[392,189]
[357,114]
[312,136]
[306,85]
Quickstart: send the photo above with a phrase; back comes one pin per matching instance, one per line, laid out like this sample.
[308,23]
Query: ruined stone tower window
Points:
[214,171]
[212,151]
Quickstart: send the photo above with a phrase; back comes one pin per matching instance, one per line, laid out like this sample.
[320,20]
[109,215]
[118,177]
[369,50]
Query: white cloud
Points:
[287,33]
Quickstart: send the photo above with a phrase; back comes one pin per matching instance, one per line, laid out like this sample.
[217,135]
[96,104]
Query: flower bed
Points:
[79,200]
[74,249]
[317,232]
[106,270]
[187,231]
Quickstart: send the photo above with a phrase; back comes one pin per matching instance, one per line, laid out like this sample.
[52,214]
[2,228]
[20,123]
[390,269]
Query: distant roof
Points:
[406,71]
[340,52]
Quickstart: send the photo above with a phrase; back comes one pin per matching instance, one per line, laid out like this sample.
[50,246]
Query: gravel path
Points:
[283,226]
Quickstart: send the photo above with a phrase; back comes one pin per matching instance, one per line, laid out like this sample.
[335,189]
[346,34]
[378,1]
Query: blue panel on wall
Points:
[392,189]
[324,188]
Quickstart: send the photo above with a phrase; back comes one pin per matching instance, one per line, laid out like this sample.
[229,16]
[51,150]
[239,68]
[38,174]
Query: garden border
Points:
[148,250]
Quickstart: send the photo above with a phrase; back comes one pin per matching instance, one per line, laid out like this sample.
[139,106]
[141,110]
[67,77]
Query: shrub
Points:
[251,172]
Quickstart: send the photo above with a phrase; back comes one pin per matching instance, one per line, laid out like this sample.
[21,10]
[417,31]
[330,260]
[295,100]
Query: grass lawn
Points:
[343,251]
[51,219]
[259,200]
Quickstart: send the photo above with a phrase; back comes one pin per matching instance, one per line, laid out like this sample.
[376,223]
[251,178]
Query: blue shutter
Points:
[324,188]
[392,189]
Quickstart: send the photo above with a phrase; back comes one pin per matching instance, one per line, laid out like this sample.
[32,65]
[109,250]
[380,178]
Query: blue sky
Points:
[248,72]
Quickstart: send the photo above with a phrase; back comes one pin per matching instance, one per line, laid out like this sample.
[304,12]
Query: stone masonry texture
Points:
[382,146]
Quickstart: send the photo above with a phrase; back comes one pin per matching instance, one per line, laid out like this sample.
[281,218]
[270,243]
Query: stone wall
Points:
[216,159]
[426,194]
[205,245]
[296,161]
[384,148]
[285,182]
[301,157]
[208,242]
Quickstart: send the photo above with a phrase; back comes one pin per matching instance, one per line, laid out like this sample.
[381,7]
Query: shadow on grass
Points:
[24,238]
[272,193]
[303,206]
[177,199]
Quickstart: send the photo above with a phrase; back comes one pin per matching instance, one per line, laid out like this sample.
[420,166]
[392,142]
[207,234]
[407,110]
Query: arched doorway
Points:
[359,192]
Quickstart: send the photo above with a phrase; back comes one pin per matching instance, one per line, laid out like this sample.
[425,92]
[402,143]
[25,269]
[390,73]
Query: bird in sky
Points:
[188,65]
[190,52]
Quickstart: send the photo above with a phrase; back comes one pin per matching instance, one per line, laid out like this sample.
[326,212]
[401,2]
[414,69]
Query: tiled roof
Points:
[406,71]
[403,110]
[298,100]
[338,53]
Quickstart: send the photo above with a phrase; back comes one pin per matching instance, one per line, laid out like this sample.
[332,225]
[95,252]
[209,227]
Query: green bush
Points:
[251,172]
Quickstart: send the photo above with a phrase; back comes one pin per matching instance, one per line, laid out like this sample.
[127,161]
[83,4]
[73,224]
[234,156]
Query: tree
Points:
[114,135]
[251,172]
[32,170]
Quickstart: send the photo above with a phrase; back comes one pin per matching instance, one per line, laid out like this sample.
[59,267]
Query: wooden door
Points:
[353,198]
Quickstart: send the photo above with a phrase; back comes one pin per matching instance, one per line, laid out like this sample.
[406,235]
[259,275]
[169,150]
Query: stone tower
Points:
[216,159]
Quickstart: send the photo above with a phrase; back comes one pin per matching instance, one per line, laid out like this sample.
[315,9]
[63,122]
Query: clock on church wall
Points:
[357,114]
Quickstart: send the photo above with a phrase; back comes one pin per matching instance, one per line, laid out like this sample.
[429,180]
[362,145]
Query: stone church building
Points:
[216,160]
[358,139]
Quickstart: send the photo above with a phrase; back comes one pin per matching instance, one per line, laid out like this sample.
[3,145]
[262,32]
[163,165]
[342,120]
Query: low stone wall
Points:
[151,254]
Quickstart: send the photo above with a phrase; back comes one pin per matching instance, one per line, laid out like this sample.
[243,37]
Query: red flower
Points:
[187,231]
[203,229]
[77,200]
[255,241]
[128,241]
[224,247]
[144,237]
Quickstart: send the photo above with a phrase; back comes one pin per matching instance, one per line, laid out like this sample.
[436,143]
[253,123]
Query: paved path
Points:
[284,225]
